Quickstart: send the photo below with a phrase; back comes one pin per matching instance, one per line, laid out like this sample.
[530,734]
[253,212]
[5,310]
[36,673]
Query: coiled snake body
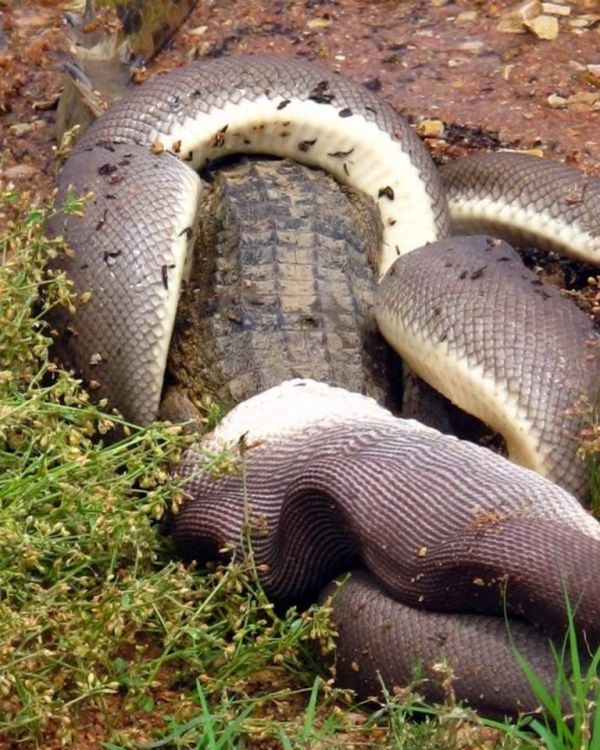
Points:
[333,480]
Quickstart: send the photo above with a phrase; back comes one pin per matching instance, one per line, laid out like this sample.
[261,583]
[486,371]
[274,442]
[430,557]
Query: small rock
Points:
[556,101]
[203,49]
[139,75]
[554,9]
[474,46]
[21,128]
[507,72]
[20,172]
[512,22]
[198,31]
[584,101]
[588,77]
[544,27]
[539,152]
[579,23]
[430,128]
[467,16]
[319,23]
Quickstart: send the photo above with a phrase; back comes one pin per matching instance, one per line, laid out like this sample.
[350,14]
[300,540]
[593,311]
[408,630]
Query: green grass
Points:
[95,616]
[100,625]
[572,708]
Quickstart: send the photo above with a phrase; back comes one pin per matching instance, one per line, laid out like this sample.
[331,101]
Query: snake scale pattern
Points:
[281,289]
[328,480]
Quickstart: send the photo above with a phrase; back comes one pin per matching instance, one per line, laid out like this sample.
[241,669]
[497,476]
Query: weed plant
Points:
[106,641]
[96,619]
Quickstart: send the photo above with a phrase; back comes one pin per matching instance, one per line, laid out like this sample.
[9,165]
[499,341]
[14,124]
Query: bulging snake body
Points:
[440,524]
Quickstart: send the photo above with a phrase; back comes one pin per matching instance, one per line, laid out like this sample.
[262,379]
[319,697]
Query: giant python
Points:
[452,537]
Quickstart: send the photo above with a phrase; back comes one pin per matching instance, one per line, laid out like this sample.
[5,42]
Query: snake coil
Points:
[336,481]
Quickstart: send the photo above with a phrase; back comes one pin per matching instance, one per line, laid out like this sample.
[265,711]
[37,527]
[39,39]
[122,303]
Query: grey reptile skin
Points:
[370,490]
[194,93]
[196,89]
[124,256]
[366,618]
[282,288]
[487,192]
[472,296]
[530,530]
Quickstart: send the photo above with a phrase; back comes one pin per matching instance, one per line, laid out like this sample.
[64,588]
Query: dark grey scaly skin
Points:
[282,288]
[128,255]
[194,111]
[525,200]
[182,113]
[437,520]
[440,524]
[195,90]
[477,308]
[376,640]
[165,115]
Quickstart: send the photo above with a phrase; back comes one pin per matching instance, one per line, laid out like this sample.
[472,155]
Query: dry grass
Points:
[105,640]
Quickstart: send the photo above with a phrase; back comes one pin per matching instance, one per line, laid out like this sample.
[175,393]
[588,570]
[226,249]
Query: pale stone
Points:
[554,9]
[430,128]
[20,172]
[21,128]
[512,22]
[507,72]
[557,102]
[319,23]
[584,101]
[580,23]
[539,152]
[544,27]
[474,46]
[466,16]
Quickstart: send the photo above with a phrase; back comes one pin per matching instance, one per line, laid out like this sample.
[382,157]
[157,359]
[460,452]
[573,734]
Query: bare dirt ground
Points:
[432,59]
